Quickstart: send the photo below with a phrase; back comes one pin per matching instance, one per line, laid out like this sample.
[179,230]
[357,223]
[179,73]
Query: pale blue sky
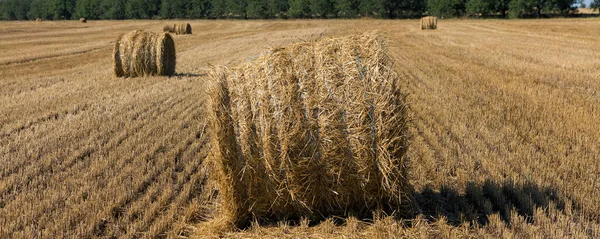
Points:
[587,2]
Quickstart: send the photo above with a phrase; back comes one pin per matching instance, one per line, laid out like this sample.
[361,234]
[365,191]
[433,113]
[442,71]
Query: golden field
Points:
[504,127]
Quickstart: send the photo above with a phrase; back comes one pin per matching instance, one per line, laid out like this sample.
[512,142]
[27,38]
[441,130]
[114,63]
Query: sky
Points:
[588,2]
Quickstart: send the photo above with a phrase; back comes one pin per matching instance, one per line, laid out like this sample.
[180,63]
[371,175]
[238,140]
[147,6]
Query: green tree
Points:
[345,8]
[446,8]
[299,8]
[236,7]
[480,7]
[199,8]
[563,7]
[175,8]
[522,8]
[15,9]
[39,9]
[321,8]
[410,8]
[218,8]
[166,9]
[141,9]
[88,9]
[276,7]
[112,9]
[61,9]
[595,4]
[370,7]
[256,9]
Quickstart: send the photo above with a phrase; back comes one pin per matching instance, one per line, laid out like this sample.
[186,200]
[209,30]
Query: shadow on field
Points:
[190,74]
[483,200]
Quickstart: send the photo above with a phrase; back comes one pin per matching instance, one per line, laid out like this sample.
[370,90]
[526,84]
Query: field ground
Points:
[505,129]
[587,11]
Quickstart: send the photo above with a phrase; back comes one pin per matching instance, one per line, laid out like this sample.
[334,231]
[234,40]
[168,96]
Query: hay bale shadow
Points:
[482,200]
[190,74]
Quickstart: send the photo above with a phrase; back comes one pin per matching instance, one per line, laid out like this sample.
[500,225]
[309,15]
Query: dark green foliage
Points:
[61,9]
[113,9]
[595,4]
[218,8]
[480,7]
[89,9]
[447,8]
[256,9]
[320,8]
[299,8]
[276,8]
[236,8]
[370,7]
[345,8]
[261,9]
[15,9]
[39,9]
[562,7]
[141,9]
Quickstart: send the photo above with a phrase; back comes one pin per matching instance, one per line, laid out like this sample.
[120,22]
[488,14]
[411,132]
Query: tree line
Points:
[264,9]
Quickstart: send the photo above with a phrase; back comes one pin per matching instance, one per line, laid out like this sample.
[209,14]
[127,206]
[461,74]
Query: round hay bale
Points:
[311,130]
[179,29]
[428,23]
[83,20]
[38,19]
[141,53]
[183,29]
[169,28]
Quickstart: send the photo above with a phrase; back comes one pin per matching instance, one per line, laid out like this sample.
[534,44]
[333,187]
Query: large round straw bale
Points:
[429,23]
[38,19]
[83,20]
[140,53]
[312,130]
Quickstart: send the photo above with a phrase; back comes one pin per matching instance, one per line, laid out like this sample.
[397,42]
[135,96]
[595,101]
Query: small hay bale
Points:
[179,29]
[169,28]
[83,20]
[312,130]
[429,23]
[38,19]
[141,53]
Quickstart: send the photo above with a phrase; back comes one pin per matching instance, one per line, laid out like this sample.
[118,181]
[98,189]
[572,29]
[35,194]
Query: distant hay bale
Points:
[38,19]
[178,29]
[83,20]
[428,23]
[311,130]
[140,53]
[169,28]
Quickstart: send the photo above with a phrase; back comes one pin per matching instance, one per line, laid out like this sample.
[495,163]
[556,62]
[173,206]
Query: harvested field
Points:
[504,126]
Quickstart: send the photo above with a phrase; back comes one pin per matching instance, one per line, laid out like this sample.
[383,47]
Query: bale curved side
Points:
[312,130]
[140,53]
[83,20]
